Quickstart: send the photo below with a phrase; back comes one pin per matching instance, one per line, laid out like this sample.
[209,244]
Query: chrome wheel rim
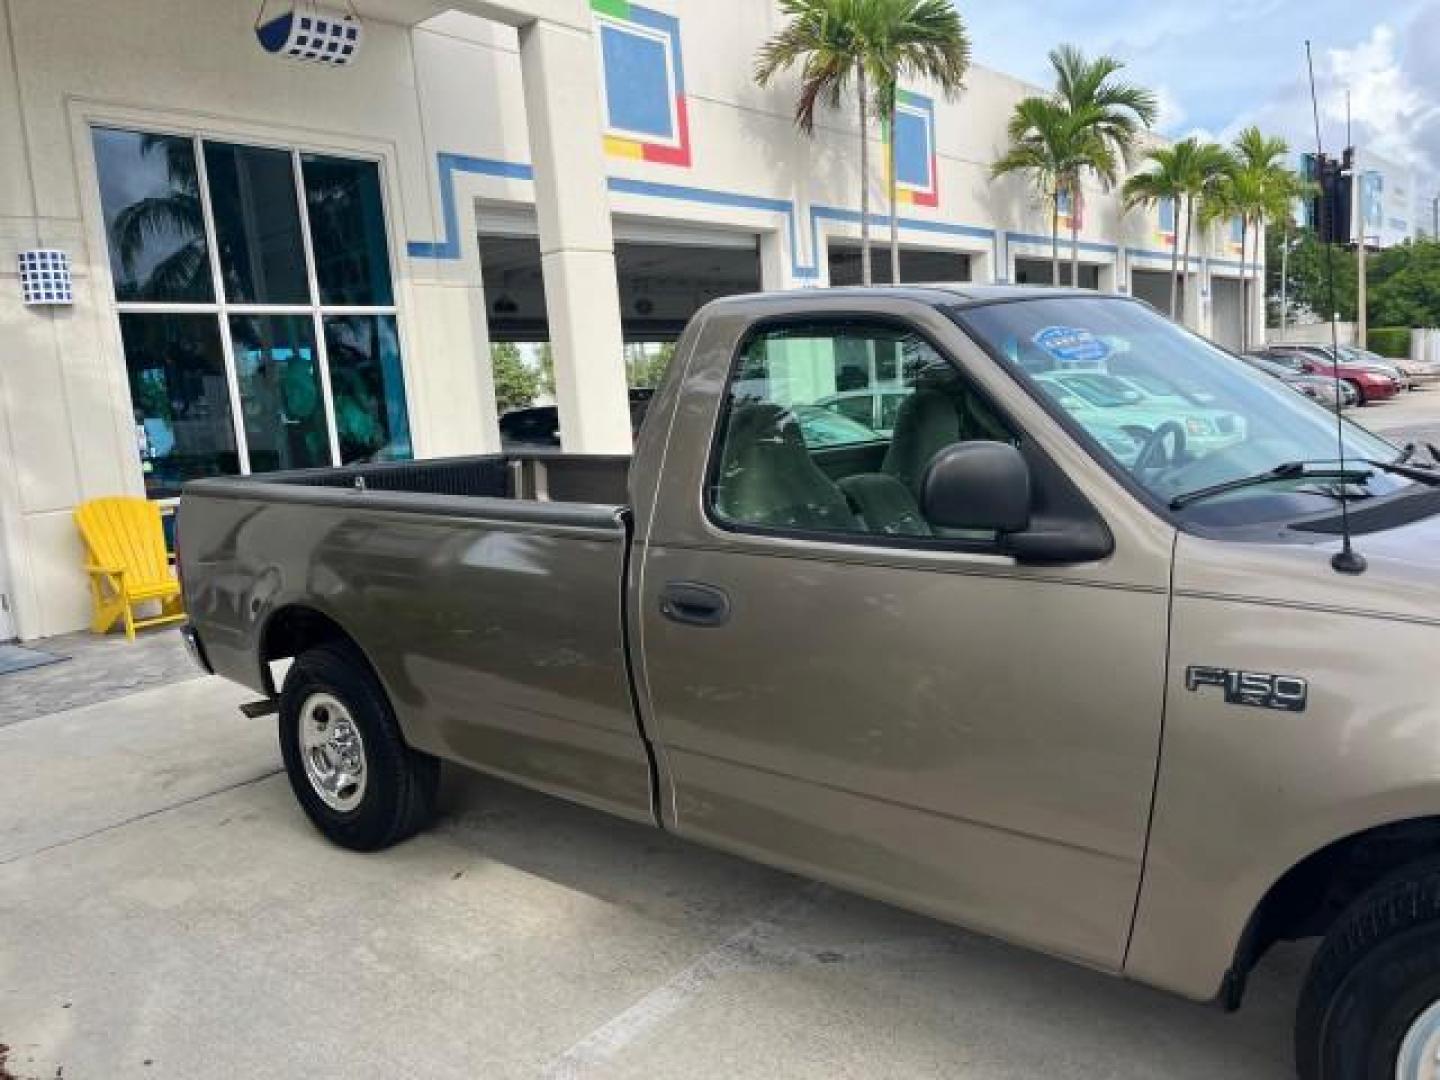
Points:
[333,752]
[1419,1057]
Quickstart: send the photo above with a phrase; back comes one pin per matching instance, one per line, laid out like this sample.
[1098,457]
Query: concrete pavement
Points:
[1410,417]
[166,911]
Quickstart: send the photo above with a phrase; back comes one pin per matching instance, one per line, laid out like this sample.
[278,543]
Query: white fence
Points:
[1425,346]
[1316,333]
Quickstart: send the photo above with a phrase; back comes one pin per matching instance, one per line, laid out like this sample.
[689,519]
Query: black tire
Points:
[400,783]
[1376,972]
[1360,399]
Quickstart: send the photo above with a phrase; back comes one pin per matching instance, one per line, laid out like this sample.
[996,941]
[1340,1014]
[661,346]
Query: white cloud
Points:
[1172,113]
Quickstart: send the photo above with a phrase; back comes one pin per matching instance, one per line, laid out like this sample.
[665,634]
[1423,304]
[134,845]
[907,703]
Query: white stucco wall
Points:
[441,107]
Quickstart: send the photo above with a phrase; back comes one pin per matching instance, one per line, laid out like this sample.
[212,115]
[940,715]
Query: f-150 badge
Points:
[1257,689]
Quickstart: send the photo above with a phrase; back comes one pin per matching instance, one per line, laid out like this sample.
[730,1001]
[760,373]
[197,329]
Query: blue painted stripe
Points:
[447,165]
[448,247]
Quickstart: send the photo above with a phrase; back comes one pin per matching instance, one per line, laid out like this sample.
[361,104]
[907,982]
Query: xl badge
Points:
[1254,688]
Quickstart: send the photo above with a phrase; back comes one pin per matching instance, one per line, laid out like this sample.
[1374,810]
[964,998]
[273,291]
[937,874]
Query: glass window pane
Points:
[281,396]
[257,224]
[183,427]
[829,429]
[369,388]
[154,227]
[347,231]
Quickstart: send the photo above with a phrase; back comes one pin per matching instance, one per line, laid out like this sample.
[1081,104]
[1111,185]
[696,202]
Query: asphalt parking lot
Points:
[166,911]
[1412,417]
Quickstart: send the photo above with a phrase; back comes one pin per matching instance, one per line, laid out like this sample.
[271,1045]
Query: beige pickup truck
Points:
[1013,607]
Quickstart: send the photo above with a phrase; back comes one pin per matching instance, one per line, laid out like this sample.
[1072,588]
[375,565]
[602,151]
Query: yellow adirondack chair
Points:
[127,563]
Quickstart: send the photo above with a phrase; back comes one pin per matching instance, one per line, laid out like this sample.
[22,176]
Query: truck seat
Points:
[927,422]
[767,476]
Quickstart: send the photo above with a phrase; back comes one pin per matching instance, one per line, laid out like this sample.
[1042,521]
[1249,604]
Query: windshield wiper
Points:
[1290,470]
[1401,465]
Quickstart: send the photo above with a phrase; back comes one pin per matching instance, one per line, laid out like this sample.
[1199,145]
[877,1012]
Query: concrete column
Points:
[577,252]
[776,262]
[1196,304]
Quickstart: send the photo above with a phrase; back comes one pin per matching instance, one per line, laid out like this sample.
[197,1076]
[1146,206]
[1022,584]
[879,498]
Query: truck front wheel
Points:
[348,763]
[1371,1003]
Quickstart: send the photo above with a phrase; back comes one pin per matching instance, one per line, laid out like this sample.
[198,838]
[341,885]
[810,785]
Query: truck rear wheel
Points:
[346,758]
[1371,1003]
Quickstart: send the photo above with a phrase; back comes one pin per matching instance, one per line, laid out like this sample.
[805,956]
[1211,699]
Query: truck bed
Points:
[488,593]
[540,476]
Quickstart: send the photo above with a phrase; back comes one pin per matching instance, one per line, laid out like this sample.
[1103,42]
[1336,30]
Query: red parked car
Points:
[1369,383]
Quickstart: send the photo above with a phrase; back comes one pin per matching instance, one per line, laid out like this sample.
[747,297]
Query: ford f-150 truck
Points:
[1100,689]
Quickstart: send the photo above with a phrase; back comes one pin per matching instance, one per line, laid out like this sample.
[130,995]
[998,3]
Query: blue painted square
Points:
[912,150]
[1237,230]
[1167,215]
[638,92]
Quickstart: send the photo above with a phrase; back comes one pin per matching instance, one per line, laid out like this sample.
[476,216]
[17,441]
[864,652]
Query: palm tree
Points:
[874,42]
[1050,147]
[172,219]
[1112,110]
[1165,181]
[1257,188]
[829,40]
[1189,173]
[1095,120]
[1209,165]
[918,39]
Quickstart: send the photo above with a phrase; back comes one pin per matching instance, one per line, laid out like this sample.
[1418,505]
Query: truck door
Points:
[835,687]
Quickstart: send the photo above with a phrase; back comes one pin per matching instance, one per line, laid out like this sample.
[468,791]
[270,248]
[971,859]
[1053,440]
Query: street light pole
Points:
[1362,336]
[1284,278]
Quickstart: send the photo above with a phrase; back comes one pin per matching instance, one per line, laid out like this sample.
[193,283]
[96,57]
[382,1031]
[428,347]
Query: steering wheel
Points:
[1154,454]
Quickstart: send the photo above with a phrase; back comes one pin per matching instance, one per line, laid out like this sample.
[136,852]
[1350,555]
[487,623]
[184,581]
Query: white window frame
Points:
[667,44]
[220,307]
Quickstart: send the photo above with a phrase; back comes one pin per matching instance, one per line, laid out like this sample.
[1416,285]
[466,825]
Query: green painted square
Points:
[616,9]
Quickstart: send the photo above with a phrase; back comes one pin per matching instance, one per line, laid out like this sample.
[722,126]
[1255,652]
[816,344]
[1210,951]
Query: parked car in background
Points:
[1123,402]
[875,408]
[1351,355]
[1327,392]
[1417,373]
[1369,383]
[537,427]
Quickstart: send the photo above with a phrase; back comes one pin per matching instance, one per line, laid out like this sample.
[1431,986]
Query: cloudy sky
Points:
[1221,64]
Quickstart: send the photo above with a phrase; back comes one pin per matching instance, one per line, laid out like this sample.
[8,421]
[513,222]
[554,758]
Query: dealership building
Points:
[236,240]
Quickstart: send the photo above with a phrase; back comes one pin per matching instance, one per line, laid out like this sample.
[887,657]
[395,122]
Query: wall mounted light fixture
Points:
[45,277]
[311,33]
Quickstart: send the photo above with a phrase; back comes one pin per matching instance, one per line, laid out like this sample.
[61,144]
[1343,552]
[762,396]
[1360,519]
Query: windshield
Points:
[1176,413]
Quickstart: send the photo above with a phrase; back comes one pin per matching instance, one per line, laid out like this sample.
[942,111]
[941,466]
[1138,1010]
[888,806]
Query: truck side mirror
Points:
[977,485]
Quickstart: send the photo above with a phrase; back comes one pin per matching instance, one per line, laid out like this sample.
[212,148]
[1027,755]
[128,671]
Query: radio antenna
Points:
[1347,560]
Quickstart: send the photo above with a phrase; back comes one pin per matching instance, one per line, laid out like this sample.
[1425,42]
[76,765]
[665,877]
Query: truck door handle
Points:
[694,604]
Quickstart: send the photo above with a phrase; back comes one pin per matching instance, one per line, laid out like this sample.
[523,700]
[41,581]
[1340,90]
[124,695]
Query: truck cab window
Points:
[829,429]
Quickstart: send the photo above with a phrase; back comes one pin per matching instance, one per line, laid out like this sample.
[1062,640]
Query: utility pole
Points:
[1284,278]
[1362,337]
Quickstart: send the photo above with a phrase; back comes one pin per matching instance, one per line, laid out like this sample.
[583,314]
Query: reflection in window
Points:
[281,396]
[347,231]
[368,386]
[154,225]
[257,224]
[176,207]
[183,426]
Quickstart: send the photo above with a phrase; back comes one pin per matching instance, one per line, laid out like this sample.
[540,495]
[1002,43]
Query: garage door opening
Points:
[1225,311]
[916,266]
[662,283]
[1040,272]
[1153,286]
